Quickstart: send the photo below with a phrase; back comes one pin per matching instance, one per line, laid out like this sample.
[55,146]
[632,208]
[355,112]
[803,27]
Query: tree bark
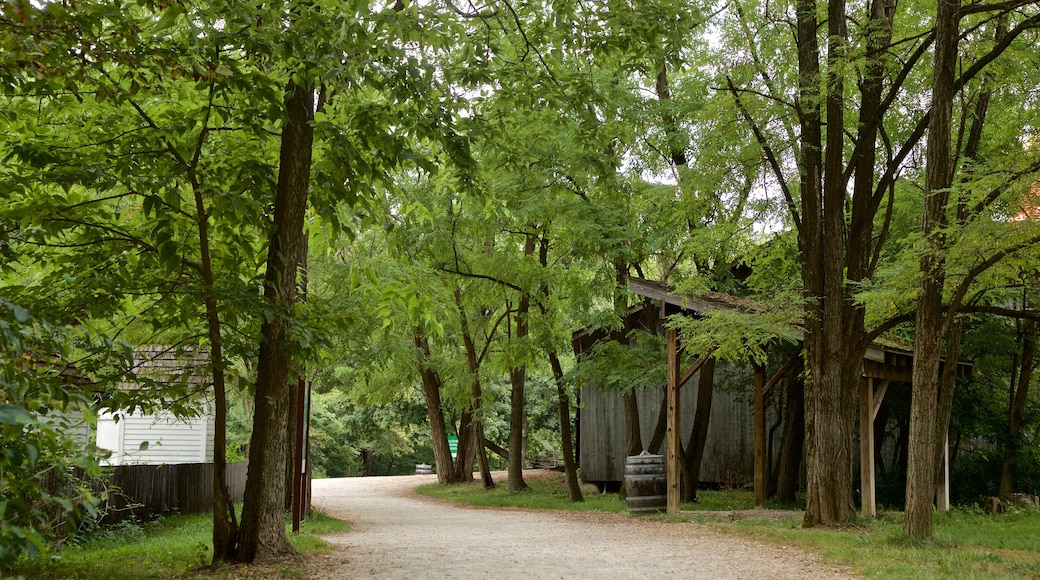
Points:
[517,380]
[694,452]
[922,467]
[833,351]
[477,393]
[262,534]
[570,464]
[225,524]
[792,440]
[1018,399]
[431,387]
[464,451]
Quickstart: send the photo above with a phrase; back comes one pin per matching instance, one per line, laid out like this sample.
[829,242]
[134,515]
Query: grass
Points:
[542,494]
[171,546]
[967,543]
[549,493]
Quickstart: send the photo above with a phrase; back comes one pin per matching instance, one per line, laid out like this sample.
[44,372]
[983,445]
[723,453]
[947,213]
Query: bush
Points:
[47,460]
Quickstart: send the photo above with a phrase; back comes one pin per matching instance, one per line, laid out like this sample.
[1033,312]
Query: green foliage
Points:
[47,462]
[738,335]
[617,367]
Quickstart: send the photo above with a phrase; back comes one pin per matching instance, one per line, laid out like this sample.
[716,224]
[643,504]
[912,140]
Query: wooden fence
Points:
[145,491]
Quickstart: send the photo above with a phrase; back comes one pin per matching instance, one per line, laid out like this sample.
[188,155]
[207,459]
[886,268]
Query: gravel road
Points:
[396,534]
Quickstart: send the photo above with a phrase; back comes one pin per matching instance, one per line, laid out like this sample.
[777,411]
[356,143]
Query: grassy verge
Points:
[548,492]
[172,546]
[967,544]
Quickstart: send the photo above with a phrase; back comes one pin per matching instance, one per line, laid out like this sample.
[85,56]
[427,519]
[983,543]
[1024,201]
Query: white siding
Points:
[169,440]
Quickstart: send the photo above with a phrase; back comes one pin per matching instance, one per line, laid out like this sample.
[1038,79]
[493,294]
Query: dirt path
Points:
[395,534]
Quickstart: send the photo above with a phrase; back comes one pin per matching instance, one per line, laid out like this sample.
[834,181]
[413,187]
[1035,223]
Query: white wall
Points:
[169,440]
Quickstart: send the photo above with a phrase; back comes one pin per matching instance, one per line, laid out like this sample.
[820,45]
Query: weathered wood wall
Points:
[729,451]
[186,488]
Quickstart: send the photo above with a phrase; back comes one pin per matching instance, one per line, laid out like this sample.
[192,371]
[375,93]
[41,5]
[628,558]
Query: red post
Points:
[301,455]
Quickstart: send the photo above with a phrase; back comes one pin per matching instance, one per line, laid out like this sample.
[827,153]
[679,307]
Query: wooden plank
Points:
[878,370]
[672,432]
[760,435]
[868,504]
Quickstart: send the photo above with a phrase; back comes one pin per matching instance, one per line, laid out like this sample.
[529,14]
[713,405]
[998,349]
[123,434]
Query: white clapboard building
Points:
[159,437]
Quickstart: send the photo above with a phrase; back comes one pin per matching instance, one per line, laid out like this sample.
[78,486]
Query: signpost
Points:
[453,446]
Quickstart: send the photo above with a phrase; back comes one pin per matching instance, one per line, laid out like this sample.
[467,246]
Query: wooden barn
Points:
[137,438]
[729,445]
[742,439]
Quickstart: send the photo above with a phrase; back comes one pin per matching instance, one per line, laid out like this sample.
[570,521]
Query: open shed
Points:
[735,447]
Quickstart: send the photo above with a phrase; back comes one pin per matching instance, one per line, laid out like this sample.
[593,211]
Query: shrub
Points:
[47,461]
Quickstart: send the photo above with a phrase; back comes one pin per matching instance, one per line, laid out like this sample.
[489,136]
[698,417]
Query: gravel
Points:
[396,534]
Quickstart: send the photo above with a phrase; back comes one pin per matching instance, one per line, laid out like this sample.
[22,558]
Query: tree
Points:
[263,525]
[848,150]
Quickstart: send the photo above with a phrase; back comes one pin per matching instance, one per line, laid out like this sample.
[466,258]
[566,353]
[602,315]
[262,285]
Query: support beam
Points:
[879,397]
[695,367]
[760,435]
[781,373]
[867,499]
[672,474]
[942,491]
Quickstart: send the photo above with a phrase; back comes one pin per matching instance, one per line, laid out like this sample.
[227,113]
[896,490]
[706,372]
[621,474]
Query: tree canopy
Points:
[405,198]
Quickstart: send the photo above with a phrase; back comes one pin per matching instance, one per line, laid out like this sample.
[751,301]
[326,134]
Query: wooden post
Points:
[300,502]
[672,433]
[942,491]
[867,497]
[760,435]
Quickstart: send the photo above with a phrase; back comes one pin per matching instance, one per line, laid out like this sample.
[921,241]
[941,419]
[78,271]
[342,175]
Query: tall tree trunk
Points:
[515,464]
[1018,399]
[633,438]
[368,462]
[517,382]
[570,464]
[431,387]
[922,467]
[290,437]
[225,525]
[477,393]
[830,346]
[263,522]
[699,435]
[792,439]
[464,451]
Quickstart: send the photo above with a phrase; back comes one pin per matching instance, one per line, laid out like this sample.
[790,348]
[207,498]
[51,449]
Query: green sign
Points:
[453,445]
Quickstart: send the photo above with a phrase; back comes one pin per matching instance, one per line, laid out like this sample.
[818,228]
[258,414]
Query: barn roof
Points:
[884,359]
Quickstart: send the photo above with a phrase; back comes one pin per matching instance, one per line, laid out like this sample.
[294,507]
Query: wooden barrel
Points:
[646,486]
[423,469]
